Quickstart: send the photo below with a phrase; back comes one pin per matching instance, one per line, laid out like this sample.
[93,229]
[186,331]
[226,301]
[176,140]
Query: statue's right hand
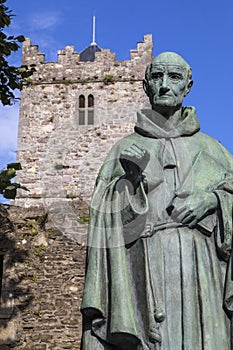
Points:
[134,160]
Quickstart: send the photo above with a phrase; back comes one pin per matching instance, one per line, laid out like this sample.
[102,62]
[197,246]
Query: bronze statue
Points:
[159,270]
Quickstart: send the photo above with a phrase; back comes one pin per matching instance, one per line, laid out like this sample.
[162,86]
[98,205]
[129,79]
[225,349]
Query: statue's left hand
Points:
[191,209]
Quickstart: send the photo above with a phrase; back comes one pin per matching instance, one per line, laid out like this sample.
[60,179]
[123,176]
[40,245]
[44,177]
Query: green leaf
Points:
[20,38]
[16,166]
[10,188]
[9,194]
[10,173]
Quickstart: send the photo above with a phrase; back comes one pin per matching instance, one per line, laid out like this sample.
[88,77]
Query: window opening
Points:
[81,117]
[81,101]
[86,110]
[90,101]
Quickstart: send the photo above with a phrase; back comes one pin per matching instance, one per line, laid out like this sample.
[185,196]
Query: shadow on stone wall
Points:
[41,278]
[15,297]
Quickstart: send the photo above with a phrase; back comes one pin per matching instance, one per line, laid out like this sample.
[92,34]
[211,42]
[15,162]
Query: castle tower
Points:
[72,111]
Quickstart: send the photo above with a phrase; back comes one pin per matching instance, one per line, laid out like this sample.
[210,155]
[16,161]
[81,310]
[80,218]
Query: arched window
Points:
[81,119]
[90,119]
[81,101]
[86,110]
[90,101]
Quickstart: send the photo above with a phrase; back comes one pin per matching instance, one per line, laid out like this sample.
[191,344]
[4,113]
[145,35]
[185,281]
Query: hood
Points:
[187,126]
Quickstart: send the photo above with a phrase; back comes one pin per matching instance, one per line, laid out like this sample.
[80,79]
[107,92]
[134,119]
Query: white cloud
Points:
[8,133]
[40,32]
[45,20]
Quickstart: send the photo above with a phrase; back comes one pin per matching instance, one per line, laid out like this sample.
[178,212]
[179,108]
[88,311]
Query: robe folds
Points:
[152,283]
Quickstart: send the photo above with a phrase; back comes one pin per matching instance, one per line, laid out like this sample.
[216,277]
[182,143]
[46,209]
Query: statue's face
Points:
[168,82]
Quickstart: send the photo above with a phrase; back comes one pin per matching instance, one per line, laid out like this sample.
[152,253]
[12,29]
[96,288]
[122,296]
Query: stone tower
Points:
[72,111]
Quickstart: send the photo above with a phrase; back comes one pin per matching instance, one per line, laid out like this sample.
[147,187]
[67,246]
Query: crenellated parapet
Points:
[70,68]
[31,54]
[68,56]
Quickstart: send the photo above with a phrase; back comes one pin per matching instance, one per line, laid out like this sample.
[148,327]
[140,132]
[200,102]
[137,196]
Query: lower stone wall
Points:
[42,282]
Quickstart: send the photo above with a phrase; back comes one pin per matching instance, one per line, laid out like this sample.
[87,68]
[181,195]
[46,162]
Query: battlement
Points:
[69,67]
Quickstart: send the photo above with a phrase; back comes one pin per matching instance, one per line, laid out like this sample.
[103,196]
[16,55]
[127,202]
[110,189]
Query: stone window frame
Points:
[86,108]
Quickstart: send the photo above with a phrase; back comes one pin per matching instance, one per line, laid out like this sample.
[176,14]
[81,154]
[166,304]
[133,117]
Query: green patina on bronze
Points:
[159,270]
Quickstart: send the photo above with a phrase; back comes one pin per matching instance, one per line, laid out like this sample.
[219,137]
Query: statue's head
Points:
[168,79]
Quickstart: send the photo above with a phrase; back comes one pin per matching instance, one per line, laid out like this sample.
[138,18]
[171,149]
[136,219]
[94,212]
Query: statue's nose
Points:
[164,86]
[163,90]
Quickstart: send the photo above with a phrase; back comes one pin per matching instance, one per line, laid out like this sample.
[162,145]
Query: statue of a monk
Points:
[159,272]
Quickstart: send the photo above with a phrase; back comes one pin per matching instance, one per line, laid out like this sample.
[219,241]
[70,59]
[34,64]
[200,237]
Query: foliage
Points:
[11,77]
[108,79]
[34,278]
[32,226]
[83,219]
[7,188]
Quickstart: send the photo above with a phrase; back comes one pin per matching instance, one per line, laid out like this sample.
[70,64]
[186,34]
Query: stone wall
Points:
[61,158]
[43,272]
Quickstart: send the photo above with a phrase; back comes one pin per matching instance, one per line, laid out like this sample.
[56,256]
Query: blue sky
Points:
[201,31]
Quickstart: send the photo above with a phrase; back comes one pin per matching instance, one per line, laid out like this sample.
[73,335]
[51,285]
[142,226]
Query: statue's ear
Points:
[146,87]
[189,86]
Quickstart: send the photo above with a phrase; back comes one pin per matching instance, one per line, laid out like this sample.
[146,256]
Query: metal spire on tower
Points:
[88,54]
[93,32]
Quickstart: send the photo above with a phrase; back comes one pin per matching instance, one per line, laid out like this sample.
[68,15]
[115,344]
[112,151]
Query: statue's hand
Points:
[191,209]
[134,160]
